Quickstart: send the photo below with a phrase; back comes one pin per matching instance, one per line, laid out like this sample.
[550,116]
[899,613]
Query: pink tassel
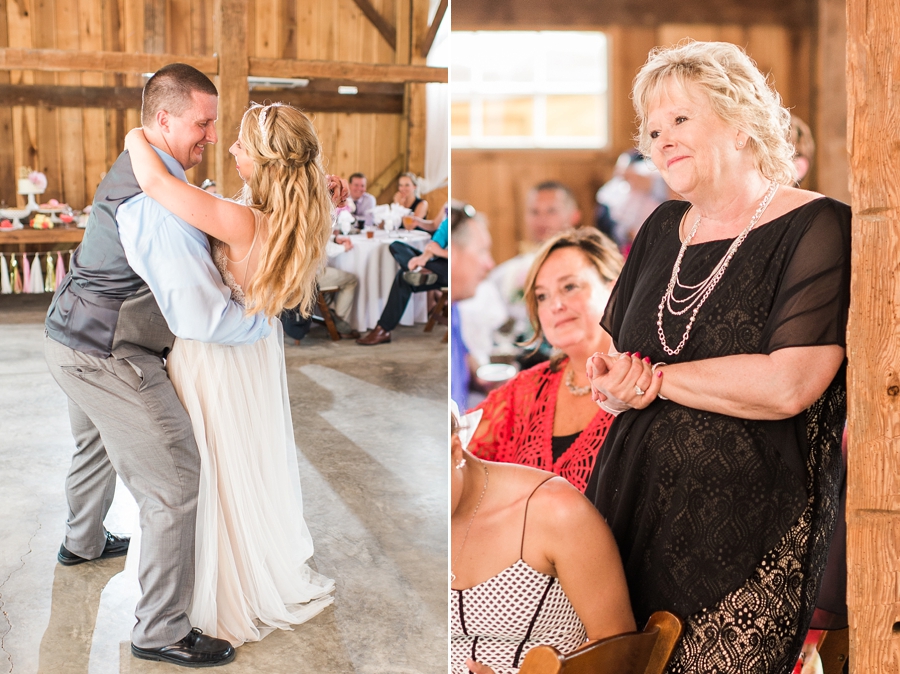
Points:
[26,274]
[60,270]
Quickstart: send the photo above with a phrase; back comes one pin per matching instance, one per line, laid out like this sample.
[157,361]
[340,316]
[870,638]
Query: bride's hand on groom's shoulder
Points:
[339,190]
[136,134]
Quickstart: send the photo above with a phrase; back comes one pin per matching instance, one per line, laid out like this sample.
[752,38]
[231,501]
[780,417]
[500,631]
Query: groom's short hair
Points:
[171,88]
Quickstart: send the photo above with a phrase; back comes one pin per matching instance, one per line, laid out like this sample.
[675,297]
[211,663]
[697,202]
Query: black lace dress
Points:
[726,521]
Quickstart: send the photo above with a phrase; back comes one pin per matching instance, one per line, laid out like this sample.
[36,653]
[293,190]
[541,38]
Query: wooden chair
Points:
[324,309]
[646,652]
[437,310]
[834,650]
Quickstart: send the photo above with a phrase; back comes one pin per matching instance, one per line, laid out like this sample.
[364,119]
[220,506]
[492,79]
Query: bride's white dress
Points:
[252,541]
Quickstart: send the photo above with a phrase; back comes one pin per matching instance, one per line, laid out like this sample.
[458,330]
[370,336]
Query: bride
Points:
[252,541]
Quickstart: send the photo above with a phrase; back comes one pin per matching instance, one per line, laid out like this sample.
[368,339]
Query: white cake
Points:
[28,187]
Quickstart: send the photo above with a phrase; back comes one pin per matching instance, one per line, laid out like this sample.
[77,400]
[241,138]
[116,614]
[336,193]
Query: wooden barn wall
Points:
[497,181]
[75,146]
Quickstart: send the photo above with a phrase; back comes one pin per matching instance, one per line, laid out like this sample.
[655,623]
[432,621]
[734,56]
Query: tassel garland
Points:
[5,287]
[37,278]
[20,273]
[26,275]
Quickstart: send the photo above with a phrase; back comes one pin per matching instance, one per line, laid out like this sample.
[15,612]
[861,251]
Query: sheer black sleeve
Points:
[813,296]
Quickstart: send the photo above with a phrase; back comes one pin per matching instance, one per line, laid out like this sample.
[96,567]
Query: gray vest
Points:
[103,307]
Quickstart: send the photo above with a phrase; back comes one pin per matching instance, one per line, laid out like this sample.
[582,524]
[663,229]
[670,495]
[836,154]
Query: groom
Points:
[140,275]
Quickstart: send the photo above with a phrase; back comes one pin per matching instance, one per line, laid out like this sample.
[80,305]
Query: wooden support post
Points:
[230,44]
[873,342]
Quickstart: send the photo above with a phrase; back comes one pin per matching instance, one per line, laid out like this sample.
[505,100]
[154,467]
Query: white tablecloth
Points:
[373,264]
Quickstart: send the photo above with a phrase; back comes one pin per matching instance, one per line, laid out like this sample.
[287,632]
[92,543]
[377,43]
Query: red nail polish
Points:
[637,354]
[628,353]
[646,359]
[658,374]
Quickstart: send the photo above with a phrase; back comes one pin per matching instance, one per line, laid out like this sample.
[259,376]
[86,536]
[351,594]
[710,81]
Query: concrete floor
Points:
[371,425]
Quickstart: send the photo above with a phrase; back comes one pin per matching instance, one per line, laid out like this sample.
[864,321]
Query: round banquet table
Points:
[373,264]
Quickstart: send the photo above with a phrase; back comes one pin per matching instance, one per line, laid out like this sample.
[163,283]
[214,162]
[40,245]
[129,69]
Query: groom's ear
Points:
[162,120]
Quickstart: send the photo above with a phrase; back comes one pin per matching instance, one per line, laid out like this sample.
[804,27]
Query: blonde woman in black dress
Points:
[719,477]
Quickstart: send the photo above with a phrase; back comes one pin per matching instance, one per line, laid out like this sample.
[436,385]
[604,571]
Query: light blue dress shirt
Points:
[175,261]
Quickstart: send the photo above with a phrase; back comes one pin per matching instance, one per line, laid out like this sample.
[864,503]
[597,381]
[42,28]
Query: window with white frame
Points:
[525,89]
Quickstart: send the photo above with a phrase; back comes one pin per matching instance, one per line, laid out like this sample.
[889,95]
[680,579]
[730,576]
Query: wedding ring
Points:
[638,390]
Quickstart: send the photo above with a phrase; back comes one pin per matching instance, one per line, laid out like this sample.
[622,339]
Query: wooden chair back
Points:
[646,652]
[834,650]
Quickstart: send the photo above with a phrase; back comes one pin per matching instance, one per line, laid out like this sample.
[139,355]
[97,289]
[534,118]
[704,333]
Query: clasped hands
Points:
[622,381]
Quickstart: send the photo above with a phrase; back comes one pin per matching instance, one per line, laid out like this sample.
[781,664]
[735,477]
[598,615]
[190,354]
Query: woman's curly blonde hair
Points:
[737,91]
[289,186]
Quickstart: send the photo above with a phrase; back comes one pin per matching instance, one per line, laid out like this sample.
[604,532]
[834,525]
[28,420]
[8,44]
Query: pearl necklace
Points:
[699,293]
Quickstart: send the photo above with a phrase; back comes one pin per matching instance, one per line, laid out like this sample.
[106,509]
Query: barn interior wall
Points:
[496,182]
[74,147]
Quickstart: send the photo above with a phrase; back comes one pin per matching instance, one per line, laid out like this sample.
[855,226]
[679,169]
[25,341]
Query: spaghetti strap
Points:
[525,519]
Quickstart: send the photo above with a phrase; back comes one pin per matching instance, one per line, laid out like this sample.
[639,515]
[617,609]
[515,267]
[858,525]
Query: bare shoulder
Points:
[560,507]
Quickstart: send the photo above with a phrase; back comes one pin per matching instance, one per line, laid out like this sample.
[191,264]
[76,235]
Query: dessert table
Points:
[373,264]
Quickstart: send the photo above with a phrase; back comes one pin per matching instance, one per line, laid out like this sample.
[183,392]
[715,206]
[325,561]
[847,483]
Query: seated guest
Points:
[471,254]
[362,200]
[544,416]
[551,208]
[532,563]
[342,301]
[419,271]
[407,195]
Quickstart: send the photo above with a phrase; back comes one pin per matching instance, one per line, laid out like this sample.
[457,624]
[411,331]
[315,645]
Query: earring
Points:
[462,462]
[741,144]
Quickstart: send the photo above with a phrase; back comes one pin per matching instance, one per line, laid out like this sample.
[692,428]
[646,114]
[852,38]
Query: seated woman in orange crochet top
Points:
[544,416]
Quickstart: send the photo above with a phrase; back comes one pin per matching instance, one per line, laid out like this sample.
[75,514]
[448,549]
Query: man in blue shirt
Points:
[471,253]
[433,275]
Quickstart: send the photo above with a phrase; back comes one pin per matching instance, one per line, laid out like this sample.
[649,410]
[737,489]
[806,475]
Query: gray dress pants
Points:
[127,419]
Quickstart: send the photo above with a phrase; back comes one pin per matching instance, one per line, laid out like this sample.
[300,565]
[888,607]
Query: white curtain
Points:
[437,107]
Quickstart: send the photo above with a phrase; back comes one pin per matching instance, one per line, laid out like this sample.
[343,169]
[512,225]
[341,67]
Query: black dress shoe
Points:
[195,650]
[116,546]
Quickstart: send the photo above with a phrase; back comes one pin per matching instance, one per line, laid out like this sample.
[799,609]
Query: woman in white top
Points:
[532,563]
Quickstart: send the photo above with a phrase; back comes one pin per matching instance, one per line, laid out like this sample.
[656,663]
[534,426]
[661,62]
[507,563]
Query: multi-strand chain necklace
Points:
[698,294]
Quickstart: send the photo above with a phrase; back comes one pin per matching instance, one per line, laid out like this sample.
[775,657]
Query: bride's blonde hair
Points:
[289,186]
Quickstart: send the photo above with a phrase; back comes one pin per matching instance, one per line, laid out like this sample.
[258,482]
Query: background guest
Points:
[431,268]
[471,248]
[407,195]
[543,417]
[341,302]
[804,147]
[533,563]
[499,301]
[362,200]
[629,197]
[720,476]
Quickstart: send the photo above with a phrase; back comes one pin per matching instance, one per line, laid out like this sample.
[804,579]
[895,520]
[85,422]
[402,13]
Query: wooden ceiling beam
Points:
[129,98]
[388,32]
[59,60]
[56,96]
[543,15]
[345,70]
[428,40]
[321,101]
